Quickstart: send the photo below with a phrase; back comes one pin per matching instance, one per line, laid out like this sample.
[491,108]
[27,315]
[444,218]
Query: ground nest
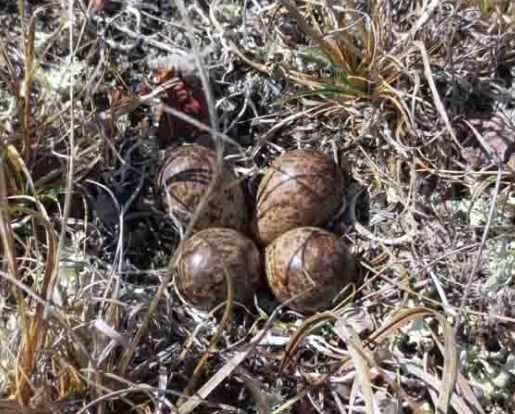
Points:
[412,101]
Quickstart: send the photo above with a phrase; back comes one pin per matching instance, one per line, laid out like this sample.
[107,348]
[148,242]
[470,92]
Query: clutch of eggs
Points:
[306,266]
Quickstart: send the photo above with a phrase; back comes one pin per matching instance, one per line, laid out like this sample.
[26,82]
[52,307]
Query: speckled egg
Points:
[184,177]
[300,188]
[311,260]
[205,256]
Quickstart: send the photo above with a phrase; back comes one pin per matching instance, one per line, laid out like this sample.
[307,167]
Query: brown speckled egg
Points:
[300,188]
[184,177]
[309,257]
[201,262]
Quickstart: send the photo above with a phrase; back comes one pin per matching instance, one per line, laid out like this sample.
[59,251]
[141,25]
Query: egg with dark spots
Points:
[300,188]
[208,259]
[309,266]
[184,177]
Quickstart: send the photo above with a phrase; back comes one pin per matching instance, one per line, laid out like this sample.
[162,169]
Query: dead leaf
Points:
[486,138]
[97,5]
[185,95]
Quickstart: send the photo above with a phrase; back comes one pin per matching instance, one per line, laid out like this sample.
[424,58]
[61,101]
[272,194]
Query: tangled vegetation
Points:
[415,100]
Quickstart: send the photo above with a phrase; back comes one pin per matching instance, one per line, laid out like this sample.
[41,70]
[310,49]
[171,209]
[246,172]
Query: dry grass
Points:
[90,318]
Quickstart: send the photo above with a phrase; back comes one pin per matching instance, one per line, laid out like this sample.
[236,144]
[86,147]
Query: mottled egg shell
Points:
[300,188]
[204,257]
[185,175]
[312,260]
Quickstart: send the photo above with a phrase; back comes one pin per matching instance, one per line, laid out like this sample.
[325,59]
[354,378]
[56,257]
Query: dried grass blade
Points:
[355,347]
[425,16]
[456,402]
[307,326]
[463,384]
[36,333]
[212,343]
[7,235]
[28,52]
[229,367]
[8,250]
[256,390]
[402,108]
[450,368]
[213,382]
[315,35]
[438,103]
[287,405]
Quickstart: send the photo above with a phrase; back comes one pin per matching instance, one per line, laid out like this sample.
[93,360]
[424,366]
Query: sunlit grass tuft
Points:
[349,58]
